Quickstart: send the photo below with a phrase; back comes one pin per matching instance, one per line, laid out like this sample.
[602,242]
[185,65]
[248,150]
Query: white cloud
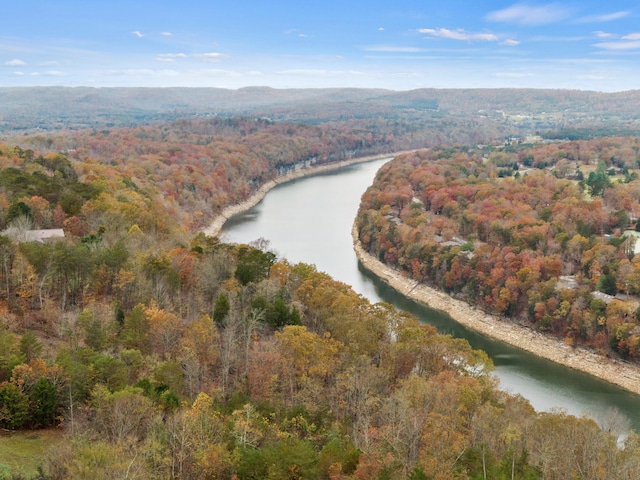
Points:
[50,73]
[459,34]
[381,29]
[601,34]
[19,74]
[137,34]
[510,42]
[619,46]
[629,42]
[147,72]
[170,57]
[607,17]
[530,15]
[297,33]
[16,62]
[167,34]
[211,57]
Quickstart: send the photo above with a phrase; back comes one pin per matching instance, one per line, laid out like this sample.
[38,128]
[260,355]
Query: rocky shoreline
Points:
[216,226]
[613,371]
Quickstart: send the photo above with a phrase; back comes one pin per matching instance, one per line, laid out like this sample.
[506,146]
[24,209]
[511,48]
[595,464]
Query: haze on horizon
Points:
[400,45]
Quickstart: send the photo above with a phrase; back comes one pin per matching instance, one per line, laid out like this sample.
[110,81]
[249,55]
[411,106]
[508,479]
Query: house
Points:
[42,236]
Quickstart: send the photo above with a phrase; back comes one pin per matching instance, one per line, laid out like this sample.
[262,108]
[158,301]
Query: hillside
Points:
[535,234]
[34,109]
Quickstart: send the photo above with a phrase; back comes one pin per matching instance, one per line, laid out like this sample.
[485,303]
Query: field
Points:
[21,452]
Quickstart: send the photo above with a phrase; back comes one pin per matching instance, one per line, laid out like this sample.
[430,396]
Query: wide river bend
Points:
[309,220]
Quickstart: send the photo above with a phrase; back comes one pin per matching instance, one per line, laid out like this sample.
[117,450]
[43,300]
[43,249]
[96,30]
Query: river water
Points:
[309,220]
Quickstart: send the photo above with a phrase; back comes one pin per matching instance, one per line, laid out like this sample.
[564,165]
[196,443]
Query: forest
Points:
[157,351]
[541,234]
[50,109]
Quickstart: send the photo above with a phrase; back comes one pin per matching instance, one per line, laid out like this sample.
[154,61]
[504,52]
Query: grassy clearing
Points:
[21,452]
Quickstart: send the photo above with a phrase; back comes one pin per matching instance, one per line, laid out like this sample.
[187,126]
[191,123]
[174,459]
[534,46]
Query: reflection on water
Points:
[309,220]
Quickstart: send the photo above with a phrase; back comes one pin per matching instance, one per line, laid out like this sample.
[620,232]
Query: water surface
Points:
[309,220]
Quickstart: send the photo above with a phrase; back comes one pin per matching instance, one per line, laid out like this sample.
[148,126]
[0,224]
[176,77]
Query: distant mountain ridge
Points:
[53,108]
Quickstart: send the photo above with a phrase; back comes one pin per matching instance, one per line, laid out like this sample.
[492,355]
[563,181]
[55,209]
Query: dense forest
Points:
[198,166]
[161,352]
[166,354]
[539,234]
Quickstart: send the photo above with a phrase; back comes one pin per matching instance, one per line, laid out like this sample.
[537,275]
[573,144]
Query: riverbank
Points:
[216,226]
[582,359]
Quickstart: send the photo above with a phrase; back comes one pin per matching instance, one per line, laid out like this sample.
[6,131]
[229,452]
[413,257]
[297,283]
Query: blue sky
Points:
[393,44]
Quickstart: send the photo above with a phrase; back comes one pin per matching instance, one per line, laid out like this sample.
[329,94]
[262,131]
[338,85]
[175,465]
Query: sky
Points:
[392,44]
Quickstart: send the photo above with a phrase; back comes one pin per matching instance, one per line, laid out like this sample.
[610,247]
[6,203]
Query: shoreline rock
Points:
[612,371]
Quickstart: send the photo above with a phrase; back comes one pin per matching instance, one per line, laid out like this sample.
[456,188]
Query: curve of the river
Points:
[309,220]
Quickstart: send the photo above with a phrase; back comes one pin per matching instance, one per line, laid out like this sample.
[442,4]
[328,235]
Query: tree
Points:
[135,331]
[120,415]
[607,282]
[598,181]
[30,347]
[44,398]
[253,265]
[14,406]
[221,309]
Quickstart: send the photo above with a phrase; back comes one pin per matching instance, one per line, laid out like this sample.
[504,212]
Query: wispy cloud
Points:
[530,15]
[170,57]
[459,34]
[143,72]
[137,34]
[297,33]
[16,62]
[629,42]
[50,73]
[607,17]
[601,34]
[510,42]
[167,34]
[211,57]
[622,46]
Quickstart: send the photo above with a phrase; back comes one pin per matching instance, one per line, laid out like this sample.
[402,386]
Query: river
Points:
[309,220]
